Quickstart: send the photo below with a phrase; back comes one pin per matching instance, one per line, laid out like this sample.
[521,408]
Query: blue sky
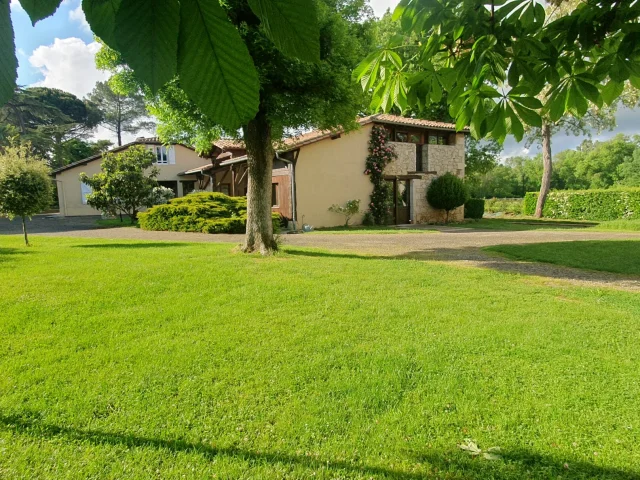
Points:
[59,52]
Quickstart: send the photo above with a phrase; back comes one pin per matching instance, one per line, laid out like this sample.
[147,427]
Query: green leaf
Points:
[635,81]
[39,9]
[436,91]
[292,25]
[576,103]
[147,37]
[215,68]
[8,61]
[517,129]
[528,116]
[101,16]
[590,91]
[529,102]
[556,105]
[611,91]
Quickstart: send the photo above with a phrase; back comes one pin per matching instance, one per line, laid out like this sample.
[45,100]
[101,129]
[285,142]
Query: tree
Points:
[47,119]
[237,63]
[126,183]
[447,193]
[495,58]
[629,170]
[294,96]
[77,149]
[25,185]
[121,113]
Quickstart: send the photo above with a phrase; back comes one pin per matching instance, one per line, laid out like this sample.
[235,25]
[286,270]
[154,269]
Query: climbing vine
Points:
[380,155]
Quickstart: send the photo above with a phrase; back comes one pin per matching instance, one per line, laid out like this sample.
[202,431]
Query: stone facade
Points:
[436,160]
[406,161]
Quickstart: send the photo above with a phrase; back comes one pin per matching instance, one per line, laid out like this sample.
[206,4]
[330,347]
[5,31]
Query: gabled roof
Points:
[138,141]
[317,135]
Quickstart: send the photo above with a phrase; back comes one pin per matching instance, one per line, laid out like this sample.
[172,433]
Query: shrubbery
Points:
[447,193]
[200,212]
[600,205]
[509,206]
[474,208]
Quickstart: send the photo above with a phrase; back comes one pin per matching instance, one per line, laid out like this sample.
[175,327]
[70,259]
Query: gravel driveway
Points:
[456,245]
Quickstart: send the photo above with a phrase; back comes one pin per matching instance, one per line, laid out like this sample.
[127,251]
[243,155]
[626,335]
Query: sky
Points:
[59,53]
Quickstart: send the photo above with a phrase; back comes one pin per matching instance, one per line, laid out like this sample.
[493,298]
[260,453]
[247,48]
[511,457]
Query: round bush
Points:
[200,212]
[447,193]
[474,208]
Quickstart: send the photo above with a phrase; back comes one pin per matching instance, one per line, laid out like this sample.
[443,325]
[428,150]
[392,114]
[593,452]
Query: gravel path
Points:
[458,246]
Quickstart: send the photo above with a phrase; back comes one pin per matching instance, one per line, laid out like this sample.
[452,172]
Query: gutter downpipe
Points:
[293,188]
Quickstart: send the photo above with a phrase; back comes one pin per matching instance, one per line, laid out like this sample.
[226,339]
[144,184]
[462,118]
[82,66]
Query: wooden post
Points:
[233,182]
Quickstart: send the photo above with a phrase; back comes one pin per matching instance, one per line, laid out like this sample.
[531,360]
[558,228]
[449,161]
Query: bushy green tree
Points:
[126,183]
[629,170]
[294,95]
[49,120]
[25,185]
[447,193]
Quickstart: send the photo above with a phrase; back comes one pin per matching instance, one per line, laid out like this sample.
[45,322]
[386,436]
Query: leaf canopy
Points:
[39,9]
[496,60]
[291,25]
[8,61]
[216,70]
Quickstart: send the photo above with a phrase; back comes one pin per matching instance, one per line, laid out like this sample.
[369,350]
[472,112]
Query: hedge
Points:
[599,205]
[200,212]
[474,208]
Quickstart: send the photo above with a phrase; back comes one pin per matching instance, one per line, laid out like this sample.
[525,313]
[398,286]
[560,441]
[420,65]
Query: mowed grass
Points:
[621,225]
[617,256]
[523,224]
[377,229]
[130,360]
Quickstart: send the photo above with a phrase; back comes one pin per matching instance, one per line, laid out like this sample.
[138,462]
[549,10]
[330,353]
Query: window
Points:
[415,138]
[438,139]
[225,188]
[162,155]
[402,137]
[188,186]
[274,195]
[85,190]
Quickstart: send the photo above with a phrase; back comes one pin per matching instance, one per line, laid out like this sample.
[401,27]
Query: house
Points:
[171,160]
[311,172]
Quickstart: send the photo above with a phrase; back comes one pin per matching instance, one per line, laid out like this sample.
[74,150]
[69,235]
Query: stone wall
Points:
[406,161]
[444,158]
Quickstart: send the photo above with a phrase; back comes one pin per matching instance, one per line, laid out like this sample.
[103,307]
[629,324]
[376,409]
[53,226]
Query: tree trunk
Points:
[24,231]
[260,153]
[119,136]
[547,171]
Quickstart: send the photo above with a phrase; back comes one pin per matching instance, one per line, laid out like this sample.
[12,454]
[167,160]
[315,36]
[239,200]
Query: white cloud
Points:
[77,15]
[15,6]
[68,64]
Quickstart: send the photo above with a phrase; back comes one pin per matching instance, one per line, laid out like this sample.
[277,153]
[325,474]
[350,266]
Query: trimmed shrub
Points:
[474,208]
[599,205]
[200,212]
[508,206]
[447,193]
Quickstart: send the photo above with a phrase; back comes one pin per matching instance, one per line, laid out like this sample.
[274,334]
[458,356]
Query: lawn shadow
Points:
[7,253]
[477,257]
[520,464]
[132,245]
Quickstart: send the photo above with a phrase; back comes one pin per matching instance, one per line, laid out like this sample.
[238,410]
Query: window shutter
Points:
[85,190]
[171,152]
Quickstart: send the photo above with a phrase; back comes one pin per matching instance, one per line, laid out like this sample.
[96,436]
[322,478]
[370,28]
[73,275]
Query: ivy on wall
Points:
[380,155]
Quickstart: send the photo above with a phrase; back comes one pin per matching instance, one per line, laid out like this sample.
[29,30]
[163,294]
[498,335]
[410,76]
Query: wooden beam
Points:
[233,181]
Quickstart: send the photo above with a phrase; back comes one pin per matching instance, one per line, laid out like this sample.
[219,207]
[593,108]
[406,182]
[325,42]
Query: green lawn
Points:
[618,256]
[372,229]
[621,225]
[115,223]
[524,223]
[131,360]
